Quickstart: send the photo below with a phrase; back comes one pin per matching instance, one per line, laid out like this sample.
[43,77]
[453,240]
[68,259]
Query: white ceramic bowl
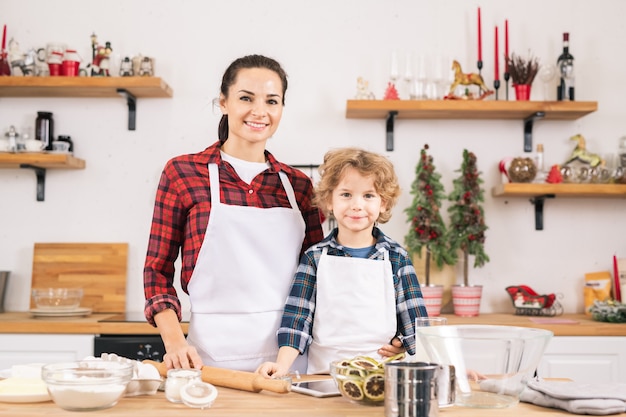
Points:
[492,363]
[87,385]
[57,298]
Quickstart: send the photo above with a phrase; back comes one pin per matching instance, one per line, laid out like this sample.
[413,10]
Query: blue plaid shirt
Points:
[297,322]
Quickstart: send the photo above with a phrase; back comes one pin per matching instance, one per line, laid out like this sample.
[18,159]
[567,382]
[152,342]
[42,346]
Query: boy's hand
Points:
[271,370]
[393,348]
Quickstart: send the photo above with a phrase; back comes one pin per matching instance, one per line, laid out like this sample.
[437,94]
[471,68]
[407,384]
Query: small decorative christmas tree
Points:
[427,228]
[467,219]
[555,176]
[391,93]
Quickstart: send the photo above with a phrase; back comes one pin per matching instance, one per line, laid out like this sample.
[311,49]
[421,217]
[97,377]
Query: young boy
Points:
[355,292]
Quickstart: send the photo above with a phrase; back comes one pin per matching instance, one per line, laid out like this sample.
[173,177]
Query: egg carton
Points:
[146,379]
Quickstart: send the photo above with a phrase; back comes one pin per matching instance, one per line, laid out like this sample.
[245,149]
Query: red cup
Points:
[55,69]
[69,68]
[522,92]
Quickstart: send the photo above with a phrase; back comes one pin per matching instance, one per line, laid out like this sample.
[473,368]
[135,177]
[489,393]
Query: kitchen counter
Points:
[564,325]
[233,403]
[97,323]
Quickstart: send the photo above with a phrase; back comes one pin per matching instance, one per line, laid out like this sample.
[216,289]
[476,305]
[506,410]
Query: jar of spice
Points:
[178,378]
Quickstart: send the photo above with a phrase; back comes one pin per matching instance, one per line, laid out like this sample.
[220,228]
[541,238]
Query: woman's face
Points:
[254,105]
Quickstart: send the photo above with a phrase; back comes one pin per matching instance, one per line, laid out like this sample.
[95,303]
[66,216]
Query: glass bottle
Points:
[539,163]
[622,152]
[565,64]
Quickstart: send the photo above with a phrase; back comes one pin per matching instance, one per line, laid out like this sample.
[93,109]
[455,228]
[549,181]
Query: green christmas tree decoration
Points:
[467,219]
[427,229]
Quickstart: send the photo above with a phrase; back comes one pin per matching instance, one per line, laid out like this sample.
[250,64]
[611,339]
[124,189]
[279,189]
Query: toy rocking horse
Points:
[461,78]
[581,154]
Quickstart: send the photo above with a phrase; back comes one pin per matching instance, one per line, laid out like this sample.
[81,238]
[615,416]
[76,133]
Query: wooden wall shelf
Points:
[152,87]
[39,162]
[461,109]
[562,190]
[528,111]
[130,88]
[539,192]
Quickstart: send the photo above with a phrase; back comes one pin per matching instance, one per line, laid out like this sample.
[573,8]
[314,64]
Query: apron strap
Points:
[291,195]
[214,175]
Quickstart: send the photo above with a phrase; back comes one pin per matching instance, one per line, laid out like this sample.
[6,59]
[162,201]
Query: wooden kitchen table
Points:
[233,403]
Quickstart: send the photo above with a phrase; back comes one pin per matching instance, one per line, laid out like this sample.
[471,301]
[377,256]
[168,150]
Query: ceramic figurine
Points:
[362,90]
[461,78]
[581,154]
[21,63]
[100,63]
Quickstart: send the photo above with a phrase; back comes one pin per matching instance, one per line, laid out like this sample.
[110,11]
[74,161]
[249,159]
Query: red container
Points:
[55,69]
[522,92]
[69,68]
[71,62]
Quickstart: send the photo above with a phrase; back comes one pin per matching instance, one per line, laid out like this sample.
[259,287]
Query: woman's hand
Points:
[183,356]
[393,348]
[271,370]
[179,353]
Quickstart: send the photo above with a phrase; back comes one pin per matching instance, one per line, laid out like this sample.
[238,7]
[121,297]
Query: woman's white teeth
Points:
[257,125]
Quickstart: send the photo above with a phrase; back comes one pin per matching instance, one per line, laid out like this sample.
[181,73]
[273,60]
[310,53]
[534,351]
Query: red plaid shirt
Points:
[181,216]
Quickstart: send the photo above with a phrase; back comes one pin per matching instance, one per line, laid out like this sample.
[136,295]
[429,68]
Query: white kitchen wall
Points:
[324,46]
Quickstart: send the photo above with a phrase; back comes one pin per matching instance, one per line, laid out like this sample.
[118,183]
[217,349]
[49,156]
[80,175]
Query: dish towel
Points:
[576,397]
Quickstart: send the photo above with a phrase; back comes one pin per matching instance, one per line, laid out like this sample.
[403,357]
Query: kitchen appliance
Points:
[132,346]
[44,129]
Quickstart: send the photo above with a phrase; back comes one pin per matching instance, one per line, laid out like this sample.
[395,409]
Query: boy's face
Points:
[355,203]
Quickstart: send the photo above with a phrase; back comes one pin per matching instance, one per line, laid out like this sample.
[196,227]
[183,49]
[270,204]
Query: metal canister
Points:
[44,129]
[411,389]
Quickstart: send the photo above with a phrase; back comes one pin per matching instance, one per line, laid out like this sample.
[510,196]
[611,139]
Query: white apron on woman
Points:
[241,280]
[355,310]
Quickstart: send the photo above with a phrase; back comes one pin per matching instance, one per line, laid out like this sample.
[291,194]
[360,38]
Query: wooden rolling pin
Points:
[245,381]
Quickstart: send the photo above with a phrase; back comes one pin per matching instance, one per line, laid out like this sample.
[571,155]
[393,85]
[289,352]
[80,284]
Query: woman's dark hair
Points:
[230,75]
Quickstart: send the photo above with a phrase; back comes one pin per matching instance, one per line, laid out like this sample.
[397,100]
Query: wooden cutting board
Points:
[100,269]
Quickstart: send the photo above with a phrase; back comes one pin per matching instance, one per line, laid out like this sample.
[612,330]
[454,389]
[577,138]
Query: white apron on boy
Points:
[241,280]
[355,310]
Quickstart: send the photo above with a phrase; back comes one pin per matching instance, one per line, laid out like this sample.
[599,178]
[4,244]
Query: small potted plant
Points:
[467,232]
[523,72]
[427,234]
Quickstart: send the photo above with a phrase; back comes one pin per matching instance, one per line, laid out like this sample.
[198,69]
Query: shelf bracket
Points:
[538,203]
[391,117]
[528,130]
[131,100]
[41,180]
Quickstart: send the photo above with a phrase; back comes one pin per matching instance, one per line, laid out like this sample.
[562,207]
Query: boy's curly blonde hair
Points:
[367,164]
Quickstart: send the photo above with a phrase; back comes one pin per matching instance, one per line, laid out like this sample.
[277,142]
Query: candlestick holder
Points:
[507,76]
[496,86]
[479,65]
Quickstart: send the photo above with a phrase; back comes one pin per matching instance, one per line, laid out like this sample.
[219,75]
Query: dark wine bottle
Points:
[565,63]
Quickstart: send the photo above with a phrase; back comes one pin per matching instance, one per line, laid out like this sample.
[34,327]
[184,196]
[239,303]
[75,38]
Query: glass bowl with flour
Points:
[87,385]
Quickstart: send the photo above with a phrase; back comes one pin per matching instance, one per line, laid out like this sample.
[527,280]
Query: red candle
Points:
[506,46]
[497,76]
[480,39]
[4,37]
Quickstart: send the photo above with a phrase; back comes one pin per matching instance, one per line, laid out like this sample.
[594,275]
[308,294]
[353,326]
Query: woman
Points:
[241,220]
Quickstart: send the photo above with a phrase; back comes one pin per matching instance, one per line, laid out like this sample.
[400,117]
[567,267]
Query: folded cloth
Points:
[576,397]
